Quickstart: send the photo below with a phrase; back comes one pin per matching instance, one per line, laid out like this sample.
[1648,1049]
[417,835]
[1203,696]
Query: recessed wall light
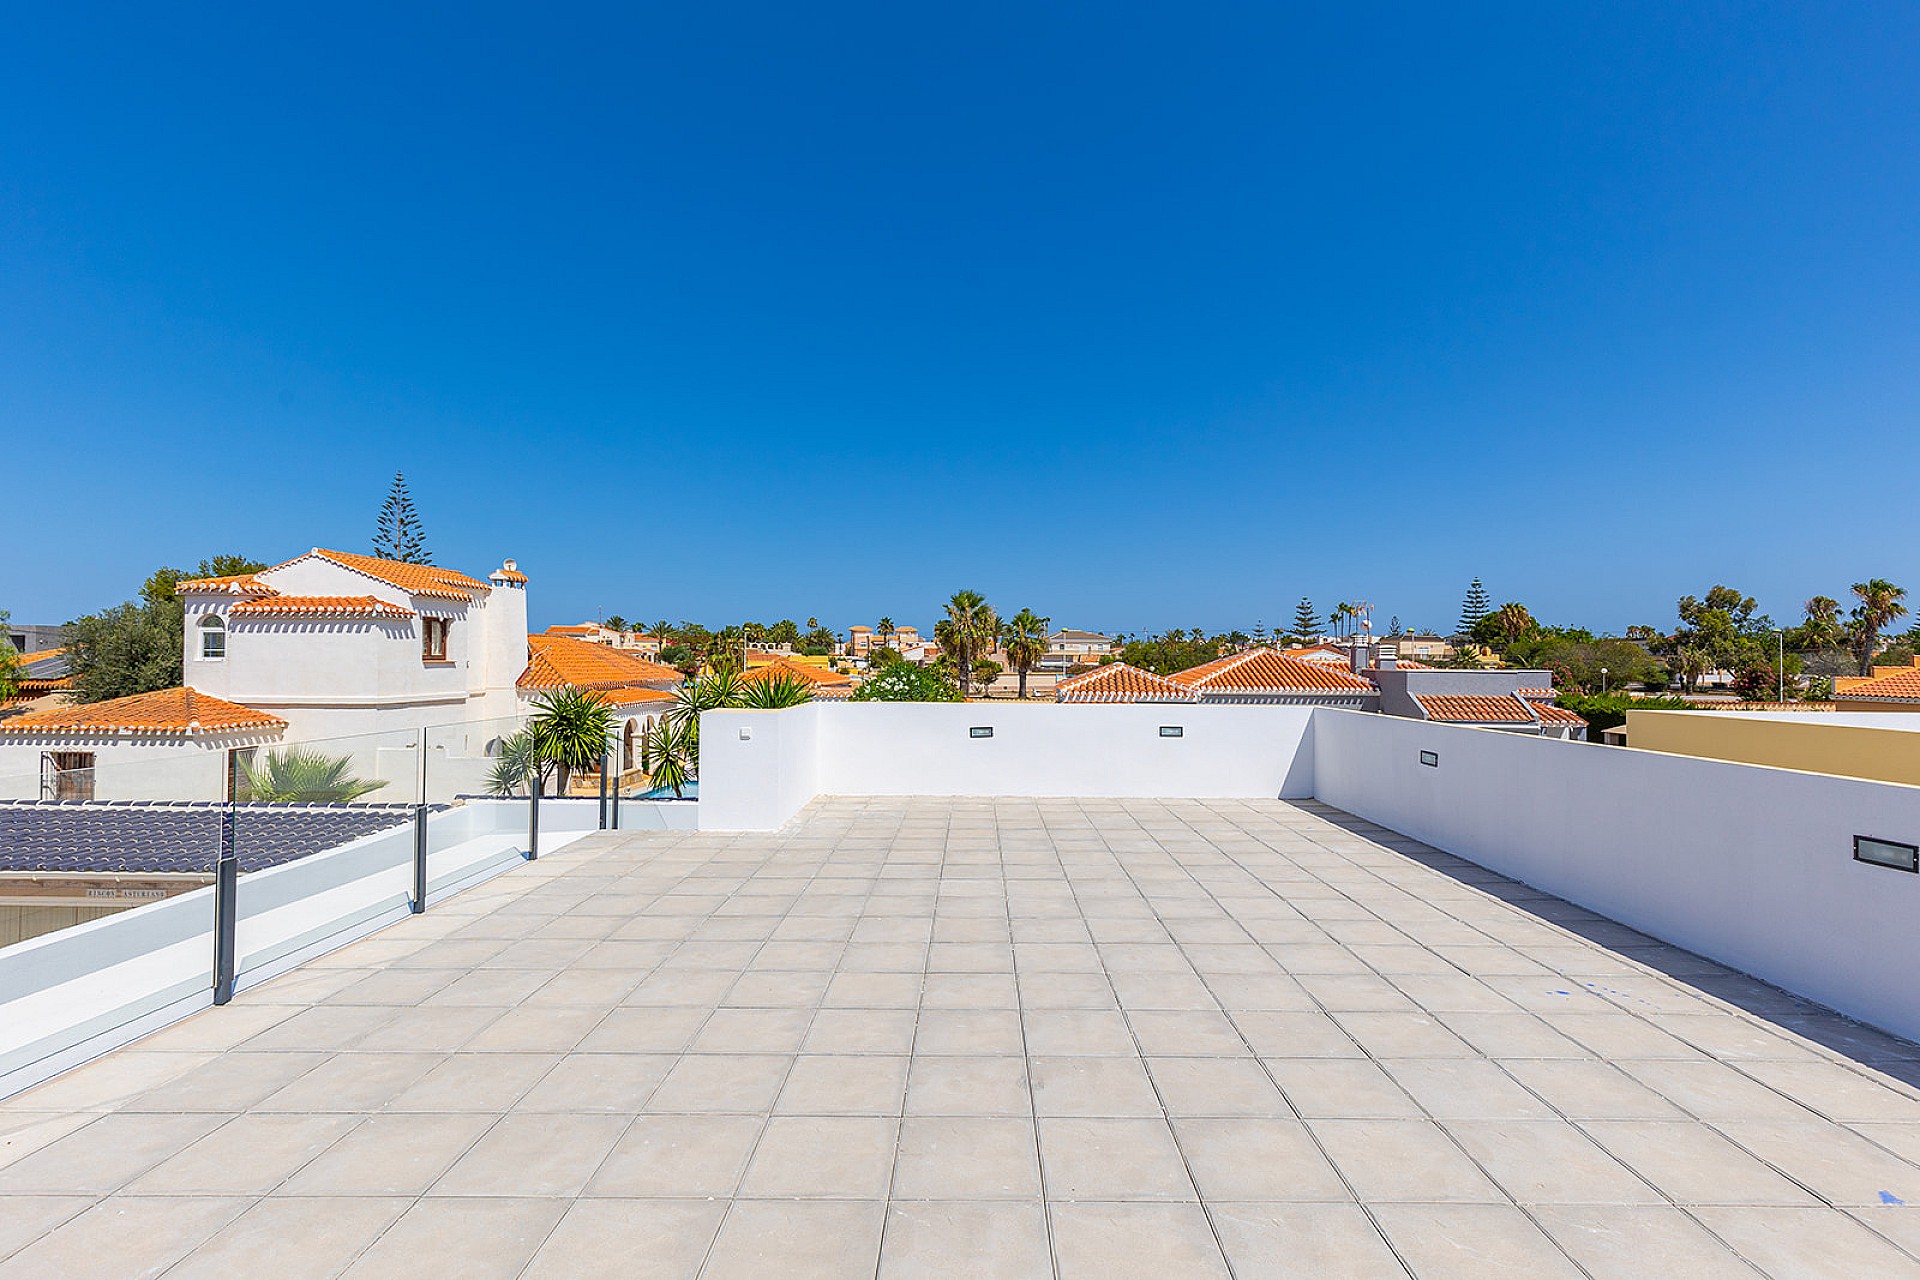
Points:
[1887,853]
[1173,730]
[1431,759]
[980,731]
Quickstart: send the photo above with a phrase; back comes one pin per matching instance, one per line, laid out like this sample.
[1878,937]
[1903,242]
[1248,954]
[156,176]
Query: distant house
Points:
[1067,648]
[44,681]
[1263,675]
[1119,682]
[31,637]
[613,637]
[1887,689]
[1423,646]
[349,653]
[863,640]
[825,683]
[1516,701]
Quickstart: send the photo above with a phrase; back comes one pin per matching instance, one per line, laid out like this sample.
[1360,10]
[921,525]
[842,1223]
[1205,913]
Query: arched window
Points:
[213,637]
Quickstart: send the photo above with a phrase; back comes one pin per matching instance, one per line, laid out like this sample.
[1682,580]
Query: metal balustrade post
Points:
[603,789]
[226,908]
[613,823]
[420,835]
[533,817]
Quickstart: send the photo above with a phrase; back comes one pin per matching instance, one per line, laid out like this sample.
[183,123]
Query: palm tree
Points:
[1690,663]
[968,631]
[1823,628]
[298,776]
[1515,621]
[1026,641]
[1879,605]
[886,633]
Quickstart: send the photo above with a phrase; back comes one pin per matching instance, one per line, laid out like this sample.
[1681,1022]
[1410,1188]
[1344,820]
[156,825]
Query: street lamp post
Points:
[1782,668]
[1603,680]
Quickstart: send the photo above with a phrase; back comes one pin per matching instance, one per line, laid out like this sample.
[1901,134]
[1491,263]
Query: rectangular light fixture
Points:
[1431,759]
[1887,853]
[1173,730]
[980,731]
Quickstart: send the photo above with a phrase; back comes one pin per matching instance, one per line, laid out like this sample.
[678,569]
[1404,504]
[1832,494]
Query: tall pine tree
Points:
[399,535]
[1306,623]
[1476,606]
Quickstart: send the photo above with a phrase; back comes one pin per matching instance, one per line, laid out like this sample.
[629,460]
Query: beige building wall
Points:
[1807,742]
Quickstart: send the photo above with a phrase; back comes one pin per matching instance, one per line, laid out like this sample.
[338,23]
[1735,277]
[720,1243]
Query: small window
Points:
[213,637]
[433,639]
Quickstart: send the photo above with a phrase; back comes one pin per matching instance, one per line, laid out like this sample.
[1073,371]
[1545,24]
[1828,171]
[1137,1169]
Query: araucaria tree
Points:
[1475,608]
[967,632]
[1026,641]
[399,535]
[1306,623]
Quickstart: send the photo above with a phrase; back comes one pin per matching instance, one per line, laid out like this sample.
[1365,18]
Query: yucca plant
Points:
[298,776]
[671,748]
[515,768]
[571,730]
[776,692]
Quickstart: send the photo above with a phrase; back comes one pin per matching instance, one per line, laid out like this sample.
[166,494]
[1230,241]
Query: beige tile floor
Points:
[986,1038]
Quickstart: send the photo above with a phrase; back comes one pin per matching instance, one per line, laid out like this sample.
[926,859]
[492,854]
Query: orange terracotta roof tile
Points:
[164,711]
[556,661]
[1901,686]
[781,665]
[414,579]
[582,629]
[1457,708]
[237,584]
[1120,682]
[1547,713]
[508,575]
[318,607]
[1532,695]
[1268,671]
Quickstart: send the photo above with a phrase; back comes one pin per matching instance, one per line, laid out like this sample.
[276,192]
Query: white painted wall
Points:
[758,768]
[1749,866]
[1043,749]
[127,767]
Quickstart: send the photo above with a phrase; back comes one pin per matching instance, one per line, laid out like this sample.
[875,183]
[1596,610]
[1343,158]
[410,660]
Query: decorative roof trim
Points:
[319,607]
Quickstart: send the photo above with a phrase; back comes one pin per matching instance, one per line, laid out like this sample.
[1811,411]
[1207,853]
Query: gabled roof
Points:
[164,711]
[1067,633]
[1119,682]
[1901,685]
[781,665]
[44,667]
[414,579]
[1461,708]
[1535,695]
[1323,654]
[1547,713]
[278,606]
[556,661]
[1264,670]
[233,584]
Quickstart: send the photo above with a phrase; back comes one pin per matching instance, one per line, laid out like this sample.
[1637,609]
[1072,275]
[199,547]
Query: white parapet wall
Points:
[759,768]
[1749,866]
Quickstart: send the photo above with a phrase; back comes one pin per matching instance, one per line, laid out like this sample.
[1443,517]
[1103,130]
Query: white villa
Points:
[329,647]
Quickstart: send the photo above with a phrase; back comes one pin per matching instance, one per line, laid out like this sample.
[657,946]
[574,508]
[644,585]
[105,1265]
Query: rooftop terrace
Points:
[994,1038]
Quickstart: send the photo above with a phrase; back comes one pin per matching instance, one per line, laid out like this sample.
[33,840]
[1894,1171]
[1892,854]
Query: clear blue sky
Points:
[1142,317]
